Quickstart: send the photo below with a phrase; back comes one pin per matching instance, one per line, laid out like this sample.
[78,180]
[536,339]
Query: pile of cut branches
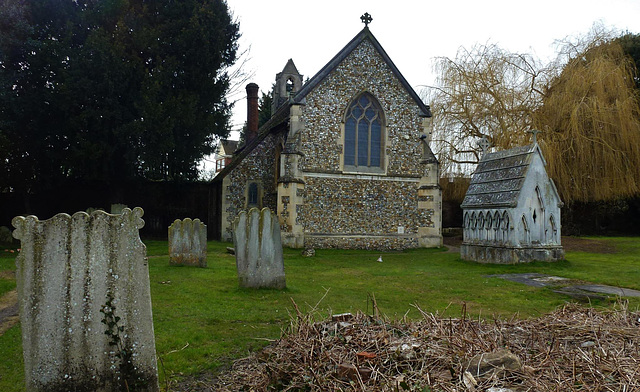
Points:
[575,348]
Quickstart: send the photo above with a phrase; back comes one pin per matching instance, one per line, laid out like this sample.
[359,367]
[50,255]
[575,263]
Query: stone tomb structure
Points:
[188,242]
[511,211]
[79,277]
[344,160]
[258,249]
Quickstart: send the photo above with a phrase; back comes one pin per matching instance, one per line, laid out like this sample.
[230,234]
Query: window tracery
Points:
[364,135]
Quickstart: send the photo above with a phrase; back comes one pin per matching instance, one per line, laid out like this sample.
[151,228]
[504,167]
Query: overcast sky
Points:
[413,32]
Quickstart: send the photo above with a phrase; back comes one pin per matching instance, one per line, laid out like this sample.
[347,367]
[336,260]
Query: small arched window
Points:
[554,230]
[496,227]
[363,135]
[523,231]
[505,226]
[253,195]
[290,86]
[466,226]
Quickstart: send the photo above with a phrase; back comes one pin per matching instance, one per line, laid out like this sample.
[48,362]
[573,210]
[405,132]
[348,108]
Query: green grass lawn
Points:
[202,320]
[7,268]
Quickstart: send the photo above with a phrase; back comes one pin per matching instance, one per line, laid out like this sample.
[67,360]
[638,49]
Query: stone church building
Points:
[344,160]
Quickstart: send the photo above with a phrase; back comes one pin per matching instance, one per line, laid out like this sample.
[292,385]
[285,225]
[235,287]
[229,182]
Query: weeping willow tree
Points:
[585,104]
[590,120]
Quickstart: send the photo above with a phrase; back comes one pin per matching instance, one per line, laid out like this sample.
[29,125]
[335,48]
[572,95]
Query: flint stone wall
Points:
[344,210]
[258,166]
[258,248]
[334,208]
[66,270]
[362,214]
[188,242]
[363,70]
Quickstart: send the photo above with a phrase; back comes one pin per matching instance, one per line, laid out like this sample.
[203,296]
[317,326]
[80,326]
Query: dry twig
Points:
[572,349]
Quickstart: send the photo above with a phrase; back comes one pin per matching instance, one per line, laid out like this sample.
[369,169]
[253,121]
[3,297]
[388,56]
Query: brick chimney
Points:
[252,112]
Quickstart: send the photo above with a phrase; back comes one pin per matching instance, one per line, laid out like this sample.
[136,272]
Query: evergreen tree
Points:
[631,45]
[104,91]
[264,108]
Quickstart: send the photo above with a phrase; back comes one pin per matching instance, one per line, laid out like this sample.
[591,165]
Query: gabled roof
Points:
[365,34]
[499,177]
[281,115]
[229,146]
[277,120]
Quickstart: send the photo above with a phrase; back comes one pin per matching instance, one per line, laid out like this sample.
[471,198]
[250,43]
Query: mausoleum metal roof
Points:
[499,178]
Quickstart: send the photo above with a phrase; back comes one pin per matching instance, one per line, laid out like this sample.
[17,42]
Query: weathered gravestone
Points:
[188,242]
[5,235]
[258,247]
[85,303]
[117,208]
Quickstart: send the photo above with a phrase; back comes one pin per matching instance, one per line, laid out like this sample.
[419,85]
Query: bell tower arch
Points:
[288,83]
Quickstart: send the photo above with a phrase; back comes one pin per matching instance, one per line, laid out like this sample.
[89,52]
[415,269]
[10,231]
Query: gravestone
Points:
[85,303]
[188,242]
[117,208]
[258,247]
[5,235]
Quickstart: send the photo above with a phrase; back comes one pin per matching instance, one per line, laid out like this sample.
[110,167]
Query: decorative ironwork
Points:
[484,144]
[535,133]
[366,19]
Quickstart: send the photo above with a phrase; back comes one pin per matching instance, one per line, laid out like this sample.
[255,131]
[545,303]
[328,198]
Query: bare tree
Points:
[483,92]
[585,103]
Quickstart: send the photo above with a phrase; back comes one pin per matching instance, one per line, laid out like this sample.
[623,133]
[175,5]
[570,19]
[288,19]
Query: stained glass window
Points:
[363,133]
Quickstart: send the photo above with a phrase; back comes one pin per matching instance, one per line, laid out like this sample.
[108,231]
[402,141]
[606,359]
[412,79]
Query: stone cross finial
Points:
[366,19]
[484,144]
[535,133]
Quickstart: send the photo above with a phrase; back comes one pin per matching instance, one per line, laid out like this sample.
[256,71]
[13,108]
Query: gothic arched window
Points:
[363,135]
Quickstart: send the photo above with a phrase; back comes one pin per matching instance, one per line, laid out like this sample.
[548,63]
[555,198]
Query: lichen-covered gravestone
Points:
[85,303]
[258,247]
[188,242]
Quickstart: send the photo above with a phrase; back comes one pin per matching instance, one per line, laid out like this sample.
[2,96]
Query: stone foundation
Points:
[510,255]
[372,242]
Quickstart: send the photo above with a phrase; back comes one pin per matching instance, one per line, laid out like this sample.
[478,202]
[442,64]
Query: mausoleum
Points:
[511,210]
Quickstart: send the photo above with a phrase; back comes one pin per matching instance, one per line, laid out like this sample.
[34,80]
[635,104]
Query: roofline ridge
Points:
[491,155]
[365,33]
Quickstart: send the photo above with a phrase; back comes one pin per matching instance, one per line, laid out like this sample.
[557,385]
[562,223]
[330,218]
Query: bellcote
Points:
[288,83]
